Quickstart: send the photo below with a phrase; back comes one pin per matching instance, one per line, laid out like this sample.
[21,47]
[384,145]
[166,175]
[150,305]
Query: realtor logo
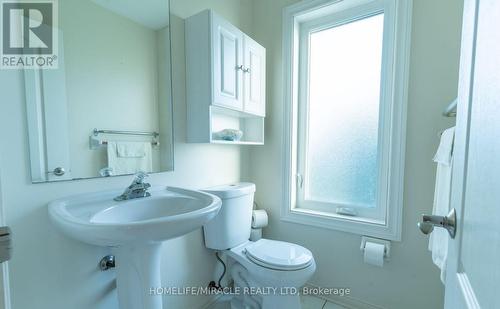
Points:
[29,34]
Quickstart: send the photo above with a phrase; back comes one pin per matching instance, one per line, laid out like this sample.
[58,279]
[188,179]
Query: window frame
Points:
[299,21]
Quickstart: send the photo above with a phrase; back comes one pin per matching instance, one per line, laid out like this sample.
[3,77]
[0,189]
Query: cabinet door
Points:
[228,63]
[255,77]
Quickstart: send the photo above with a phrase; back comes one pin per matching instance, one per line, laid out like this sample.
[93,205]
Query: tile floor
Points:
[308,302]
[311,302]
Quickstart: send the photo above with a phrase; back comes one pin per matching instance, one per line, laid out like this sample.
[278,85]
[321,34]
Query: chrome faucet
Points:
[138,188]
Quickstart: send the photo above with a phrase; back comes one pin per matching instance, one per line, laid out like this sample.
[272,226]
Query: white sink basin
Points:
[135,230]
[97,219]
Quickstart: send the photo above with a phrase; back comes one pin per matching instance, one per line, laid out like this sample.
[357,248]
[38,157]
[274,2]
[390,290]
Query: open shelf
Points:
[216,141]
[252,126]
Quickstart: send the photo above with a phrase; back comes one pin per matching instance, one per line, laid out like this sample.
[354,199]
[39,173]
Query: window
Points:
[346,75]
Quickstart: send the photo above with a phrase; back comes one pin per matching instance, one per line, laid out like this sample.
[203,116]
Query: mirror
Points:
[106,110]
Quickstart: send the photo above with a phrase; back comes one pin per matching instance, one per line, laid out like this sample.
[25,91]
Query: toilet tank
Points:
[232,226]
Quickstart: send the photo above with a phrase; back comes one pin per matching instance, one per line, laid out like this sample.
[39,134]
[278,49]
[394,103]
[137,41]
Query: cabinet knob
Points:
[240,67]
[247,70]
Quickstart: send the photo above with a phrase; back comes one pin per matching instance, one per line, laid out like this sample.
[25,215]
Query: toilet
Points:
[266,273]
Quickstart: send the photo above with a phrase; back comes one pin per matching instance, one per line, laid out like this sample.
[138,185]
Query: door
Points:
[228,64]
[254,73]
[473,269]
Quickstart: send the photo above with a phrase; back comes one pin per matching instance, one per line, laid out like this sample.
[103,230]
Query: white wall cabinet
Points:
[228,64]
[254,76]
[225,79]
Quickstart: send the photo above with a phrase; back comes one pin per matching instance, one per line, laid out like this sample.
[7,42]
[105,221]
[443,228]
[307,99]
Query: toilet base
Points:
[259,287]
[252,295]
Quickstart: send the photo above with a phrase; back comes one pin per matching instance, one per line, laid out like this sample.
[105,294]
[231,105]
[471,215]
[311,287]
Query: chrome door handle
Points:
[448,222]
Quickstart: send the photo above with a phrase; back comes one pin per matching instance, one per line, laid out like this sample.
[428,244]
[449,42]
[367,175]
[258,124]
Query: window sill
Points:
[354,225]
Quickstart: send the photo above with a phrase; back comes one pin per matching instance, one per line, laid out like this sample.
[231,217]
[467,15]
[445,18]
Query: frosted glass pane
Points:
[344,97]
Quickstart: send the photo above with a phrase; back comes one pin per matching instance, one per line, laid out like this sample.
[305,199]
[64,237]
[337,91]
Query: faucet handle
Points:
[140,176]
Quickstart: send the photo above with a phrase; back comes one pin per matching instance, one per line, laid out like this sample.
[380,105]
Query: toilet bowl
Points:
[266,273]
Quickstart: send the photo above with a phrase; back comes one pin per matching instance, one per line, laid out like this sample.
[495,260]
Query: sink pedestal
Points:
[135,230]
[138,275]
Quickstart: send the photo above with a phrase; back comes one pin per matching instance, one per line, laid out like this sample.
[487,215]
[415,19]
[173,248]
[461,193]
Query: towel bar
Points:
[97,132]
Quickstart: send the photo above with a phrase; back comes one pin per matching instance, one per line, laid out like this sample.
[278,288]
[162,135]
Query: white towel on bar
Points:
[130,157]
[438,241]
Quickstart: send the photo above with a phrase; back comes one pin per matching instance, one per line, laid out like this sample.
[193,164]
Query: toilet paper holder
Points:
[386,243]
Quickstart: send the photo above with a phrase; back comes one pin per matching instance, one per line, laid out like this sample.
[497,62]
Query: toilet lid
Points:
[279,255]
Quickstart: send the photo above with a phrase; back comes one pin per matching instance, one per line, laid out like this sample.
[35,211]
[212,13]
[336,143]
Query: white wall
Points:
[409,280]
[50,271]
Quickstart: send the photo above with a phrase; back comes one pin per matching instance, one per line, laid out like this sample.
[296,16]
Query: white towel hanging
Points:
[438,241]
[130,157]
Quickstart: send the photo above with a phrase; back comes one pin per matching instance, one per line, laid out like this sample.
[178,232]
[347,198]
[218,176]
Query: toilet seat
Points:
[279,255]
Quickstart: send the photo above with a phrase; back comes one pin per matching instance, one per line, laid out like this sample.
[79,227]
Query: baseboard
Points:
[346,301]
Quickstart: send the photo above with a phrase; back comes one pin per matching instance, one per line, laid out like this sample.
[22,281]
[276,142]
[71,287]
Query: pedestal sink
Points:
[135,230]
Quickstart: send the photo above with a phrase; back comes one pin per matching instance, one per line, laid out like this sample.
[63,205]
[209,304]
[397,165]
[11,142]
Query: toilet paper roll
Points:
[255,234]
[259,219]
[374,254]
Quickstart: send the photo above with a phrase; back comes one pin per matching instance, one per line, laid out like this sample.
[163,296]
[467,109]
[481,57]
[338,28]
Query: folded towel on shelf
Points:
[130,157]
[228,135]
[438,240]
